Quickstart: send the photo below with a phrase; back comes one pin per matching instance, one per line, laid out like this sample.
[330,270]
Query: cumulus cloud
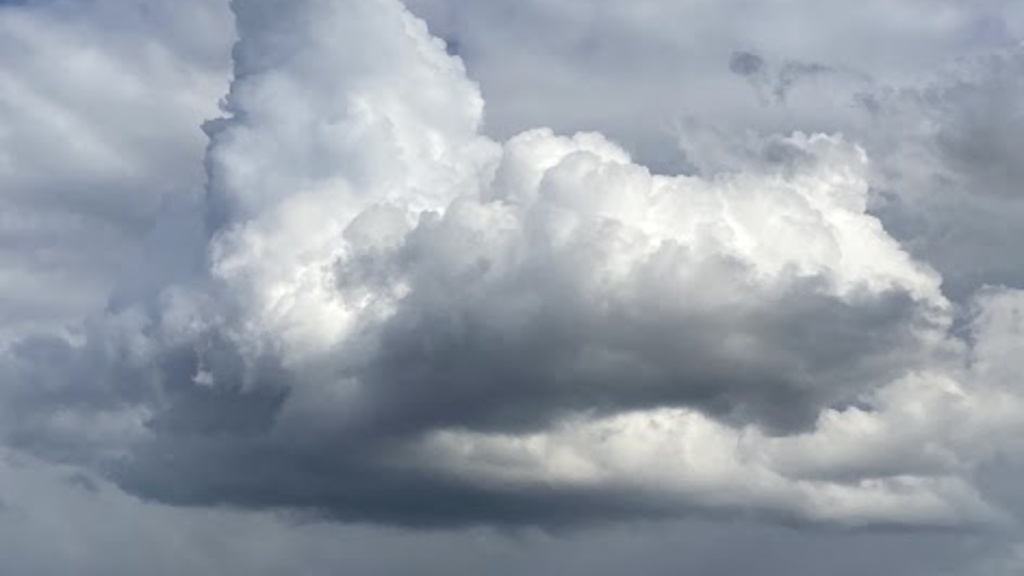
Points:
[375,312]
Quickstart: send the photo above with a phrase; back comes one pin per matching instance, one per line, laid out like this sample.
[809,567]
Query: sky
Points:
[511,287]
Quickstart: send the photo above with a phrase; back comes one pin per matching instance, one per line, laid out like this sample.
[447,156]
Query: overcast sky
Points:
[584,287]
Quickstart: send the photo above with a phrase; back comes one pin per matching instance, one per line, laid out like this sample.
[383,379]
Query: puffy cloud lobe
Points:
[931,92]
[590,282]
[386,316]
[344,130]
[944,166]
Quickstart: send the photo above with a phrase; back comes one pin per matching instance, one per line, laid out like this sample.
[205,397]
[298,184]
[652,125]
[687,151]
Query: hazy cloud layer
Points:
[83,90]
[365,303]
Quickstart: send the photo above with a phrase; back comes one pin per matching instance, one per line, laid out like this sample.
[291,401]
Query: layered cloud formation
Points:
[373,311]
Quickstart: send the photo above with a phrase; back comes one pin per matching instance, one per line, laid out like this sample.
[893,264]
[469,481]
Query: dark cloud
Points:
[948,163]
[778,83]
[793,72]
[745,63]
[84,482]
[350,487]
[446,363]
[222,541]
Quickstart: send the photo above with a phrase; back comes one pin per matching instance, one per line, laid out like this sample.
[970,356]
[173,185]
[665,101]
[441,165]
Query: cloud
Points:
[654,62]
[377,313]
[950,153]
[380,309]
[379,305]
[99,104]
[50,528]
[745,63]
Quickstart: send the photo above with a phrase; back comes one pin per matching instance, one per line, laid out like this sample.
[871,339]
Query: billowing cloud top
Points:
[375,312]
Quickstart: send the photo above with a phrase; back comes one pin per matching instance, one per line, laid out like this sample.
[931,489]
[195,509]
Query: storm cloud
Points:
[366,302]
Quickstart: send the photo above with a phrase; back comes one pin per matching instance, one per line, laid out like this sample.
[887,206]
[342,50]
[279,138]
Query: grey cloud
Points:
[368,279]
[793,72]
[583,299]
[222,406]
[944,156]
[450,362]
[168,540]
[744,63]
[979,136]
[83,481]
[100,104]
[658,61]
[351,488]
[948,159]
[778,83]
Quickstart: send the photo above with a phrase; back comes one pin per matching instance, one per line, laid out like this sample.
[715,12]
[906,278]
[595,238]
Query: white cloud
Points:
[378,269]
[382,313]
